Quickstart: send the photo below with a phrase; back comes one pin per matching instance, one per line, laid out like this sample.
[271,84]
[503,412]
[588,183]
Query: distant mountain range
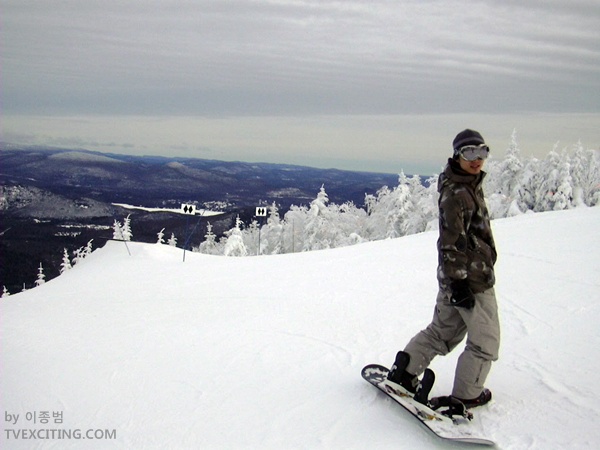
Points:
[156,181]
[56,198]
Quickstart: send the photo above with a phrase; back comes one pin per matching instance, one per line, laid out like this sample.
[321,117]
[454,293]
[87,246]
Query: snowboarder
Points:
[466,302]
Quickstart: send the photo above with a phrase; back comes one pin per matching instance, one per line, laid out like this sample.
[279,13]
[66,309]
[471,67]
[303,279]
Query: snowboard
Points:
[455,429]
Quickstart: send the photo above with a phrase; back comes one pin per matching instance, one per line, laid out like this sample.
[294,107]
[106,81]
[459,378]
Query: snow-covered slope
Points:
[266,352]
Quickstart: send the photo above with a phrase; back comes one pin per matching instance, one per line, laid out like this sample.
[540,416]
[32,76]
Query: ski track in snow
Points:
[266,352]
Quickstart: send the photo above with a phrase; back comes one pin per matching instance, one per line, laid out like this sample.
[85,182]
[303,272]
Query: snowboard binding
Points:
[454,407]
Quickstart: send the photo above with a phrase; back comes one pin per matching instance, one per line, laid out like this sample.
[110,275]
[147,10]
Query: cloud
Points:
[212,60]
[296,57]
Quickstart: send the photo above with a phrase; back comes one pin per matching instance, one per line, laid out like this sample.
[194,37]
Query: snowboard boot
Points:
[399,375]
[424,387]
[484,397]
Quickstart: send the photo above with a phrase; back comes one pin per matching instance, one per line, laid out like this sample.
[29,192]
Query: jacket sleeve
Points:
[455,208]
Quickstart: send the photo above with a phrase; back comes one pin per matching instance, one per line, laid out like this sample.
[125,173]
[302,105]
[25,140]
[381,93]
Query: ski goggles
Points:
[474,152]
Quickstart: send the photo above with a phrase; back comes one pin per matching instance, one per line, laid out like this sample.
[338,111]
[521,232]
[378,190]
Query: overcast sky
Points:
[357,84]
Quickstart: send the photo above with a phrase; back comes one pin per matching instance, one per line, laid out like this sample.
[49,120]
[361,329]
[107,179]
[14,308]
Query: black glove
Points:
[462,296]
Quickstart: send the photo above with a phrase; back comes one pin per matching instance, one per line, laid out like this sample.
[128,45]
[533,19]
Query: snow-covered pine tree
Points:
[172,240]
[328,225]
[5,292]
[66,262]
[564,190]
[160,236]
[126,230]
[293,229]
[422,210]
[87,250]
[376,226]
[118,231]
[350,224]
[82,252]
[234,245]
[209,246]
[389,211]
[546,194]
[504,181]
[251,238]
[272,233]
[511,167]
[318,229]
[41,278]
[77,256]
[529,185]
[585,171]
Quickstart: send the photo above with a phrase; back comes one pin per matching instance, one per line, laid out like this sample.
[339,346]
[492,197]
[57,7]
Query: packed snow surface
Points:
[266,352]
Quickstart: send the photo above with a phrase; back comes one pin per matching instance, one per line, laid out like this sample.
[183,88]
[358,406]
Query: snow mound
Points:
[265,352]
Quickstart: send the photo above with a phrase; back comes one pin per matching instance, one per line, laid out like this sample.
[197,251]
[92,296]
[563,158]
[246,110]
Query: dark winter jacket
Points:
[466,247]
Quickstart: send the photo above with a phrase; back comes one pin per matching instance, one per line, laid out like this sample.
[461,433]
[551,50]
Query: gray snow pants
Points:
[447,329]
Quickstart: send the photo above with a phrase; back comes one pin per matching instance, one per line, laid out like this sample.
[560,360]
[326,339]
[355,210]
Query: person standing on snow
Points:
[466,302]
